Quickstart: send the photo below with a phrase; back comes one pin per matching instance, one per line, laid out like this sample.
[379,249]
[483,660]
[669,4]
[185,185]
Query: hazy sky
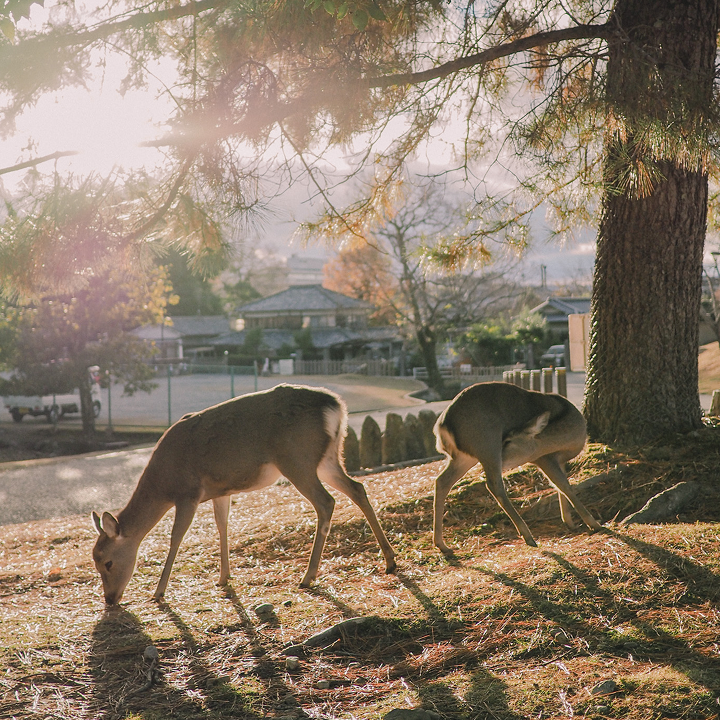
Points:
[107,130]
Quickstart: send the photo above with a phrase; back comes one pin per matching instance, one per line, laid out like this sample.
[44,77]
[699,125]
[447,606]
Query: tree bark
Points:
[86,406]
[642,377]
[428,347]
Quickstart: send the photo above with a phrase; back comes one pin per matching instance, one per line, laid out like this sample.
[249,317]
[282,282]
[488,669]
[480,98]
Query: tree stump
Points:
[414,445]
[427,419]
[393,440]
[715,404]
[370,444]
[352,451]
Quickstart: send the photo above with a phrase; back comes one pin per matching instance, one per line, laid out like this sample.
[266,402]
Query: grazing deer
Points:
[240,445]
[502,426]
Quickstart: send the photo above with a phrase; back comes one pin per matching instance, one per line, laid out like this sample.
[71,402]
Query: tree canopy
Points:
[601,113]
[273,87]
[51,343]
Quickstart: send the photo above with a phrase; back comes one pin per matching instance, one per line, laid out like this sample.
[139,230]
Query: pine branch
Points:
[107,28]
[314,96]
[37,161]
[580,32]
[159,214]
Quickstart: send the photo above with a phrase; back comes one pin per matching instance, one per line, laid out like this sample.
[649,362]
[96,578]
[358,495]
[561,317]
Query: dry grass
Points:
[504,631]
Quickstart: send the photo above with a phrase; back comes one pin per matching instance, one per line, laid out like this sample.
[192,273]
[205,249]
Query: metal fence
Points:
[182,387]
[467,373]
[340,367]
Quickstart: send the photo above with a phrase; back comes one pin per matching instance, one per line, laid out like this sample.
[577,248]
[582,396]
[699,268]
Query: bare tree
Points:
[393,271]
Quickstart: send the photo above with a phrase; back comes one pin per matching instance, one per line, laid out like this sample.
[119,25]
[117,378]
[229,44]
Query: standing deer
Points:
[240,445]
[503,426]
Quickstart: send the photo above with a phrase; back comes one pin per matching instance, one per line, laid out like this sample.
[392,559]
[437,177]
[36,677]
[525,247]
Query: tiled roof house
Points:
[337,323]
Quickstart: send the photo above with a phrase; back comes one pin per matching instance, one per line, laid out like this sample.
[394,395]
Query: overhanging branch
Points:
[579,32]
[314,96]
[37,161]
[107,28]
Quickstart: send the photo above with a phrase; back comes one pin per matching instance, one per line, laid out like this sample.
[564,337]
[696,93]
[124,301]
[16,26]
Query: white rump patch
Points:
[445,441]
[335,427]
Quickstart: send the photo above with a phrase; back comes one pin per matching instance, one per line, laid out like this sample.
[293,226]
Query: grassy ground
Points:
[504,631]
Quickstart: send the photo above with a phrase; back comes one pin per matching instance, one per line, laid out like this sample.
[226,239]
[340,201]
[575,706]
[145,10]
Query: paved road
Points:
[42,489]
[190,393]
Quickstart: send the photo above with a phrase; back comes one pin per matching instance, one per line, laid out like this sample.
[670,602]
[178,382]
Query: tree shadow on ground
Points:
[647,641]
[485,698]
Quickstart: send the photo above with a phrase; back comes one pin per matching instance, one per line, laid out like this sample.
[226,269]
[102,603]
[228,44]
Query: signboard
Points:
[579,341]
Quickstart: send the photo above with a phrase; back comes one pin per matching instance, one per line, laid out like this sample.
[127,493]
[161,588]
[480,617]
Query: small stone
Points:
[216,681]
[54,575]
[287,603]
[292,662]
[297,650]
[151,653]
[322,684]
[606,687]
[264,609]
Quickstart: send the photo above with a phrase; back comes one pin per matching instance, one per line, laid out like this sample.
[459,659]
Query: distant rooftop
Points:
[303,270]
[304,298]
[200,324]
[322,338]
[563,306]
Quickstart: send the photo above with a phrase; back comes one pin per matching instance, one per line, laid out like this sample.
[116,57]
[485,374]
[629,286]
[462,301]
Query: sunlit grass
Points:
[503,630]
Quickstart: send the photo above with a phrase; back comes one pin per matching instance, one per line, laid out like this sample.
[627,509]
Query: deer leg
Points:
[457,466]
[311,488]
[355,490]
[183,517]
[551,467]
[496,486]
[566,512]
[221,508]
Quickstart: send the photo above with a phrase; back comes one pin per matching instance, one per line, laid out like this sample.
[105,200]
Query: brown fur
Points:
[502,426]
[240,445]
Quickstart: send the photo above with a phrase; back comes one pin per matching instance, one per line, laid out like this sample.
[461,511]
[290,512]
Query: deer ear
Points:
[96,522]
[536,426]
[110,525]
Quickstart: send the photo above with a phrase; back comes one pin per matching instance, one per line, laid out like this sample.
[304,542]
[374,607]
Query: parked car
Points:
[53,407]
[554,357]
[21,405]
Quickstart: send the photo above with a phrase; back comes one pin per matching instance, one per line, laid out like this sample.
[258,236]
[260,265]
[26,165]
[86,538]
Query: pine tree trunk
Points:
[642,373]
